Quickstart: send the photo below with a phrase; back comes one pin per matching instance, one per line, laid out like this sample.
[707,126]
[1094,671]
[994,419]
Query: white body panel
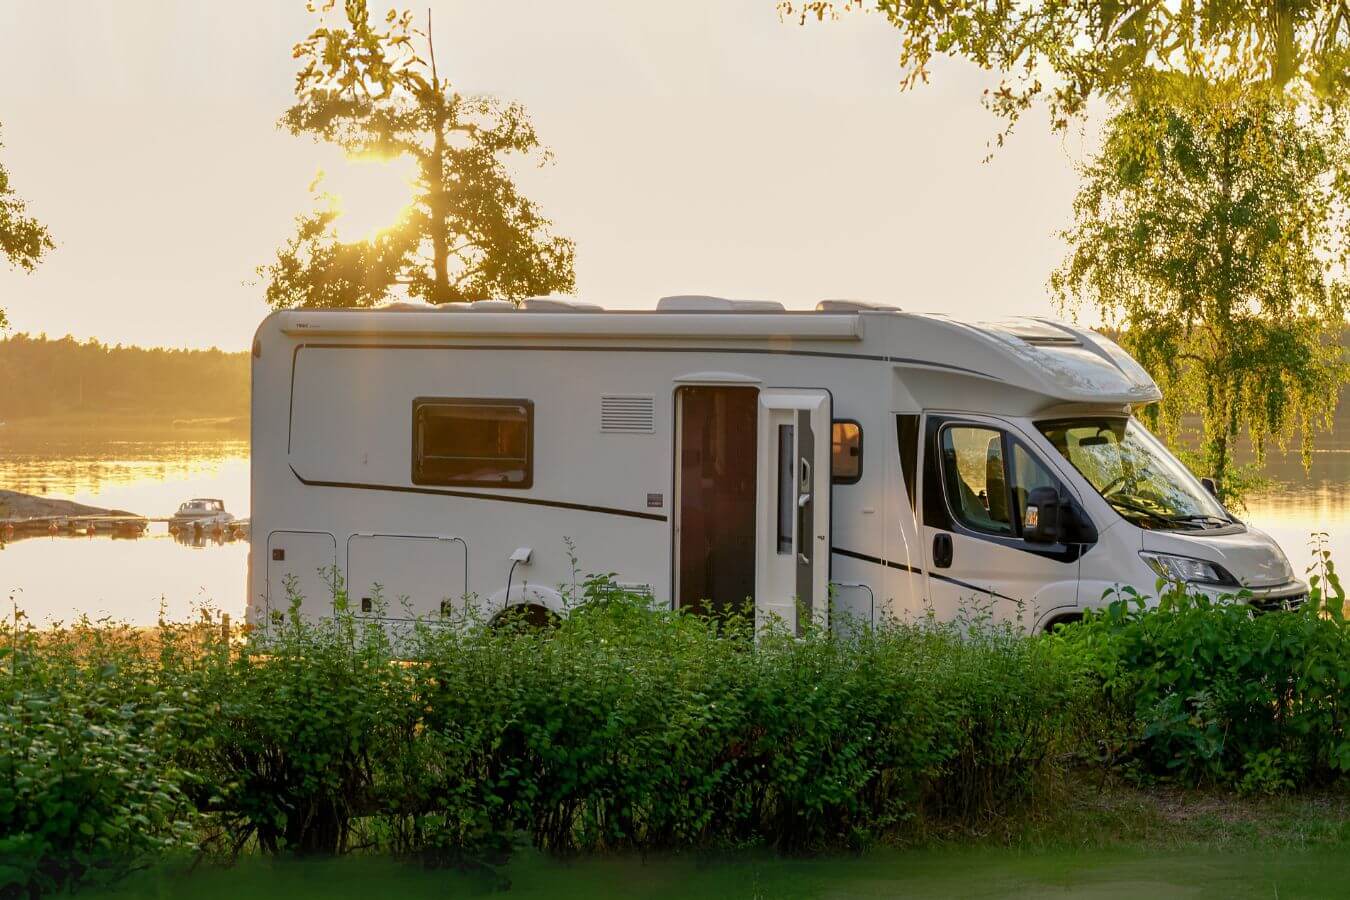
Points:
[333,452]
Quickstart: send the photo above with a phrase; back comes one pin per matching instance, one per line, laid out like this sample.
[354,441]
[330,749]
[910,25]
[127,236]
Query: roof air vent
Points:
[405,306]
[702,303]
[558,304]
[627,414]
[490,306]
[1035,332]
[846,306]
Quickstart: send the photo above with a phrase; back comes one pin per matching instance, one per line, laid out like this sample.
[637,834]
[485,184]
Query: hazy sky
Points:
[703,146]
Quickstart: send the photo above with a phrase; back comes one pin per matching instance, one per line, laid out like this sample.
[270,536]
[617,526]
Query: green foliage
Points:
[45,377]
[1070,51]
[1210,233]
[627,728]
[23,239]
[1207,692]
[620,728]
[88,784]
[469,233]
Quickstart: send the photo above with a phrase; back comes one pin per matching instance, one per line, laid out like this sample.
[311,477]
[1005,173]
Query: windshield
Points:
[1135,473]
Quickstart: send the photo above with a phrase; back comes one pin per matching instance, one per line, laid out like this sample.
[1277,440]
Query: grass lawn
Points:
[979,872]
[1117,843]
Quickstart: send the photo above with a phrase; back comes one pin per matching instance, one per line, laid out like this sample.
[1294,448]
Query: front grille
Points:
[1277,604]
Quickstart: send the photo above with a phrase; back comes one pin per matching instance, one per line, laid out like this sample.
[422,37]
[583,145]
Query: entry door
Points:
[792,571]
[716,485]
[977,475]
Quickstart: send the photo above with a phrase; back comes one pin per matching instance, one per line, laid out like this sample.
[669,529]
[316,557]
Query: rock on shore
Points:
[16,505]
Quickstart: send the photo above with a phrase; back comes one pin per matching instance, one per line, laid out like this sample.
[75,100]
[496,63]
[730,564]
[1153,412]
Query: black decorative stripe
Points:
[974,587]
[907,568]
[876,560]
[504,498]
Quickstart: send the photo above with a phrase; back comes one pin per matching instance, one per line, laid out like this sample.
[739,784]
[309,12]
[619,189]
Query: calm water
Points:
[62,577]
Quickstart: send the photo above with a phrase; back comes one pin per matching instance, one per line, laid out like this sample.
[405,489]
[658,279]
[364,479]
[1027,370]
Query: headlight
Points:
[1186,569]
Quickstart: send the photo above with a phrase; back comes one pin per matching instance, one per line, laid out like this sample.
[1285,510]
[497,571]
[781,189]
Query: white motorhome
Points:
[717,454]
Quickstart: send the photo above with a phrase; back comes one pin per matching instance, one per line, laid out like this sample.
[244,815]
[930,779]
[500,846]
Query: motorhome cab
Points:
[720,455]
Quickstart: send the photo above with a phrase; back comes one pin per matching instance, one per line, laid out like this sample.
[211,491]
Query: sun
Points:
[371,195]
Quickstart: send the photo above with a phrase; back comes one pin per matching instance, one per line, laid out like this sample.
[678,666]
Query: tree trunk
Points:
[1282,22]
[440,244]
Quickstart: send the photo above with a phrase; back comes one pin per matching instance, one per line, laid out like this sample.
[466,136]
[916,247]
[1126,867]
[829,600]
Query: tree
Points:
[1072,50]
[468,233]
[23,239]
[1211,231]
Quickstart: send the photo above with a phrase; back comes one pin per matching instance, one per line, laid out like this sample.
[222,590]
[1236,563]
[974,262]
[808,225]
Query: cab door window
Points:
[1028,473]
[988,476]
[975,479]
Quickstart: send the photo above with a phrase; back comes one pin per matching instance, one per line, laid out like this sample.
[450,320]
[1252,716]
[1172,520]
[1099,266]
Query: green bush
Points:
[88,785]
[625,727]
[1212,692]
[621,728]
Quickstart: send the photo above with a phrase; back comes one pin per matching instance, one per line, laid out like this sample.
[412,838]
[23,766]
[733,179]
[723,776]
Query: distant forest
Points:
[43,378]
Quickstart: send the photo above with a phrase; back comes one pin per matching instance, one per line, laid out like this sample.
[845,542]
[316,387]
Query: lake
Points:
[59,578]
[63,577]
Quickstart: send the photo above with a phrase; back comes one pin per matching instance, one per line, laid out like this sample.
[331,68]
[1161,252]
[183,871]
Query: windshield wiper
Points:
[1119,503]
[1201,517]
[1157,517]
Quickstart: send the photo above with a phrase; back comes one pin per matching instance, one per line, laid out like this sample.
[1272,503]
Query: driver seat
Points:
[995,483]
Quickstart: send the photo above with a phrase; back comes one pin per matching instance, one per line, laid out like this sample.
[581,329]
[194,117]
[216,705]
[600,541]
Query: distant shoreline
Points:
[133,423]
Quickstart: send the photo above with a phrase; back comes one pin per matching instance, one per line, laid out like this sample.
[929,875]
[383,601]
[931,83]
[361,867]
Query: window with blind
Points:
[473,442]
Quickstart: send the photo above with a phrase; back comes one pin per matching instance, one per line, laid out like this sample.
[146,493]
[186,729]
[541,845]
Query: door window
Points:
[1028,473]
[988,478]
[977,490]
[787,487]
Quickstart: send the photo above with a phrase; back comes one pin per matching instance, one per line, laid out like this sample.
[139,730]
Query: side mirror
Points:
[1041,524]
[1210,486]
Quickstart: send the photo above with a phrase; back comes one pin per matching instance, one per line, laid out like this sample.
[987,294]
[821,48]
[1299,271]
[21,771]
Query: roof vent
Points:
[702,303]
[489,306]
[628,414]
[558,304]
[846,306]
[1035,332]
[405,306]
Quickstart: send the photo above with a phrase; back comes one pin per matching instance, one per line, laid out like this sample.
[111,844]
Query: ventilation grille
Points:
[627,414]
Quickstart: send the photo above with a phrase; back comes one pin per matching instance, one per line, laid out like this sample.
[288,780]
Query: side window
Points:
[1028,473]
[974,476]
[845,451]
[488,443]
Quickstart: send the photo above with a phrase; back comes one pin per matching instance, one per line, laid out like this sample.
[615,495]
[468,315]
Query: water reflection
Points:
[149,475]
[200,537]
[1302,502]
[57,576]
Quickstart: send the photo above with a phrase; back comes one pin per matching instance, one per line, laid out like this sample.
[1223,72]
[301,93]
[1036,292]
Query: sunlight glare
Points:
[372,194]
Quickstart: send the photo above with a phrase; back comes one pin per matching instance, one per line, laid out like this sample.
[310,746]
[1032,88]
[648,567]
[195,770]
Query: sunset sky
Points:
[700,147]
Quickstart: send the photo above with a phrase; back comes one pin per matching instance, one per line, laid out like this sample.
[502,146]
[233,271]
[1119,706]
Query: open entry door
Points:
[792,566]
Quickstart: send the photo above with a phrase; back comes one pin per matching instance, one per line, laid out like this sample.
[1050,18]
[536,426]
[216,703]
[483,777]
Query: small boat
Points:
[203,511]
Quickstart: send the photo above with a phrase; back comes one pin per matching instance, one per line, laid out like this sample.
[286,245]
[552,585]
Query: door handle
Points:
[942,550]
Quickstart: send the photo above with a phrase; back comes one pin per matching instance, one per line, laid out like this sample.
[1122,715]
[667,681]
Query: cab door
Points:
[977,474]
[792,567]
